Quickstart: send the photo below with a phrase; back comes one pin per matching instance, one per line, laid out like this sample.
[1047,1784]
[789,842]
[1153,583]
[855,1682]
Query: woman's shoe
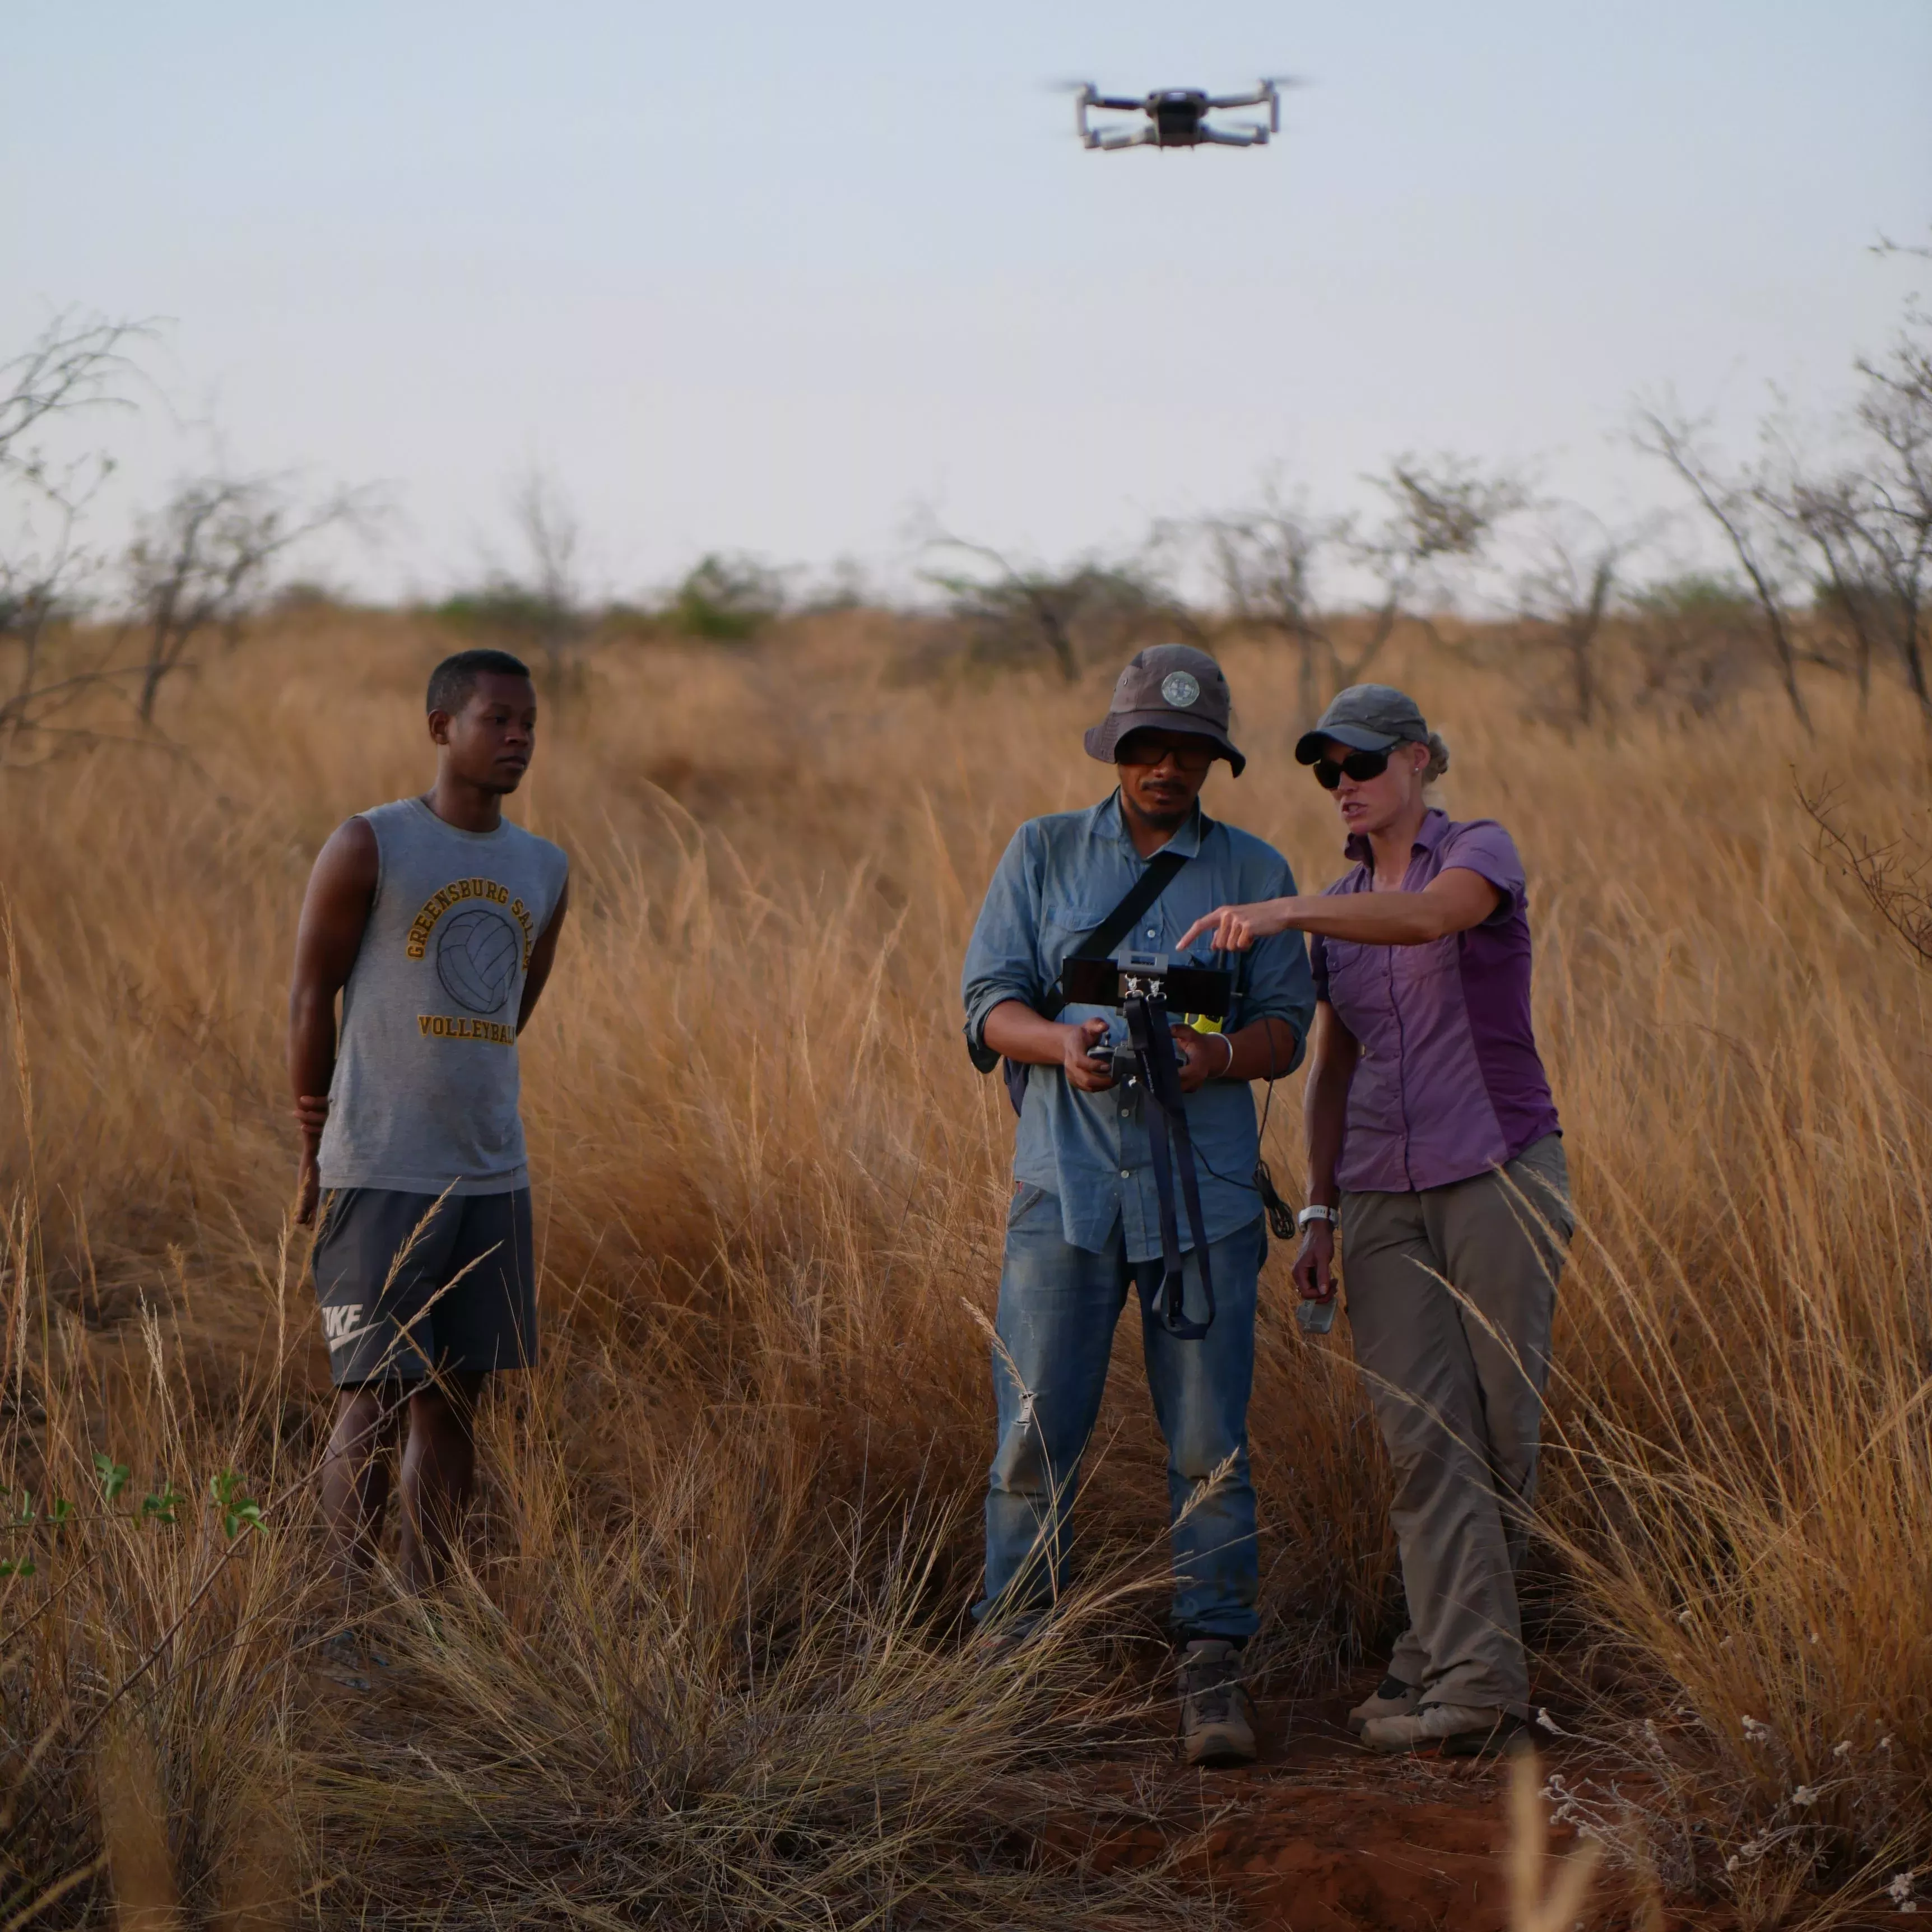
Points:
[1444,1730]
[1390,1698]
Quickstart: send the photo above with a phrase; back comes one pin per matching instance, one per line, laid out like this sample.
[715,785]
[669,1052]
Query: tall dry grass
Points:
[705,1633]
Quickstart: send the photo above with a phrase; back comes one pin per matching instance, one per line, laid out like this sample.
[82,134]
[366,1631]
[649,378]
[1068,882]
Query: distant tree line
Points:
[1825,565]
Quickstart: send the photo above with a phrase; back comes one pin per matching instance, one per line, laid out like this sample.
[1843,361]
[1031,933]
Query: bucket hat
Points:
[1167,688]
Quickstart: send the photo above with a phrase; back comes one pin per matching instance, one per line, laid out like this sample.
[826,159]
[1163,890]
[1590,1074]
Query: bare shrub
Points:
[1566,597]
[72,367]
[1268,562]
[538,604]
[203,563]
[1014,614]
[1894,875]
[1697,643]
[1853,538]
[74,364]
[1276,564]
[1735,503]
[1868,522]
[726,598]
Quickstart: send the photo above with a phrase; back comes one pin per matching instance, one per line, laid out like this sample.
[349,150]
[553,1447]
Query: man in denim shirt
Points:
[1085,1223]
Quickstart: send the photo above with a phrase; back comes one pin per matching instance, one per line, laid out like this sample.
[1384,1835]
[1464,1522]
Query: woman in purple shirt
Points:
[1434,1146]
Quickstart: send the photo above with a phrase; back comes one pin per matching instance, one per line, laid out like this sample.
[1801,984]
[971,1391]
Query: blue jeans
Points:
[1058,1307]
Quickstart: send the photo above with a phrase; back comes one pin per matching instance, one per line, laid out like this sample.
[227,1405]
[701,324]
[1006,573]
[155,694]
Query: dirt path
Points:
[1322,1836]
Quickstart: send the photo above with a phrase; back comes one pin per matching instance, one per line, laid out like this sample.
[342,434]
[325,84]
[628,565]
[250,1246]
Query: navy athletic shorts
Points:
[408,1284]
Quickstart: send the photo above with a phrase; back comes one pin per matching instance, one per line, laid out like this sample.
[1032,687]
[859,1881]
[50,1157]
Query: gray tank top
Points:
[424,1096]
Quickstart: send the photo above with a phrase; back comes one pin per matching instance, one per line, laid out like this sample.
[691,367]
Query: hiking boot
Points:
[1444,1730]
[1217,1716]
[1390,1698]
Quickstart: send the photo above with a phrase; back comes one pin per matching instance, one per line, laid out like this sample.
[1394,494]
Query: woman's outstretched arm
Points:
[1456,899]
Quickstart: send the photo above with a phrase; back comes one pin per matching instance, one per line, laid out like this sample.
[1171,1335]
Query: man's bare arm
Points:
[1014,1029]
[1262,1051]
[543,956]
[335,914]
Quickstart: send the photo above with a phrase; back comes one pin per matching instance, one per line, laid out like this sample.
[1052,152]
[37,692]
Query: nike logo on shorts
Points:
[338,1324]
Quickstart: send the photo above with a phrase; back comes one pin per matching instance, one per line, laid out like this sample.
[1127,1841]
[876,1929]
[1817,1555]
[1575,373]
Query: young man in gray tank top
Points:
[437,921]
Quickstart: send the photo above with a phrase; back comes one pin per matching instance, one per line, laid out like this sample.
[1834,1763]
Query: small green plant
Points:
[160,1505]
[112,1475]
[24,1517]
[236,1509]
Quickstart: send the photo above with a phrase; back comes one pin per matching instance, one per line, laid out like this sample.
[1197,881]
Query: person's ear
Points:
[438,727]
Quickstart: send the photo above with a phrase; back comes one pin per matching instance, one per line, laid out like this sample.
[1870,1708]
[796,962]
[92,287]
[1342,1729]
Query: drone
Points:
[1176,117]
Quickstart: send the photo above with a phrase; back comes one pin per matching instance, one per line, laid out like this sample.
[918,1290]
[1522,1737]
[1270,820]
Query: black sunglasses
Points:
[1360,765]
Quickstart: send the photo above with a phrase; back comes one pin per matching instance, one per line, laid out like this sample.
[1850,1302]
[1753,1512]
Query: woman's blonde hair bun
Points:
[1438,759]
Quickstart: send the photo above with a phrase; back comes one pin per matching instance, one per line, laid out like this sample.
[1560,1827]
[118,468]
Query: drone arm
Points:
[1116,105]
[1235,137]
[1122,137]
[1267,95]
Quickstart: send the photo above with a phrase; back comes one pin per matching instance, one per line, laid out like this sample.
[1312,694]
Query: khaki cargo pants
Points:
[1456,1379]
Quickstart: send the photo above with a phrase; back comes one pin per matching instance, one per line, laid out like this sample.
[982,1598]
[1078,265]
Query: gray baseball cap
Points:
[1365,718]
[1167,688]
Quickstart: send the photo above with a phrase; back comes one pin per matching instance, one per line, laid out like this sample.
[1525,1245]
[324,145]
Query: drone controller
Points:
[1200,992]
[1205,990]
[1148,987]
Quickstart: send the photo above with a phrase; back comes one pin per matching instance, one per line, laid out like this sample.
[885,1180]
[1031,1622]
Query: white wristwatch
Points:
[1317,1214]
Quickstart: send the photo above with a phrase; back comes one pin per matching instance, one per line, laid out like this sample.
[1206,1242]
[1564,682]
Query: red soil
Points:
[1322,1836]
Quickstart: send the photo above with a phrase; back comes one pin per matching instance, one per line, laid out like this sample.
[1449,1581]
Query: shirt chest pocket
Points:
[1419,969]
[1065,925]
[1358,980]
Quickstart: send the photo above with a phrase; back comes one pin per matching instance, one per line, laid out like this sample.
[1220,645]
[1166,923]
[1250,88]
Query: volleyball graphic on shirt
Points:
[476,955]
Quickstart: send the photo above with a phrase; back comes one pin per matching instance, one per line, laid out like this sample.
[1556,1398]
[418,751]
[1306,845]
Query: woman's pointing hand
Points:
[1236,927]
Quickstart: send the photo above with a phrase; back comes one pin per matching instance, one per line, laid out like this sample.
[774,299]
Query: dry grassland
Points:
[707,1670]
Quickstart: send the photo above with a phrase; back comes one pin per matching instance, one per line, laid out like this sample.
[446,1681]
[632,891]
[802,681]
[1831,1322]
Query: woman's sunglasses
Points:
[1360,765]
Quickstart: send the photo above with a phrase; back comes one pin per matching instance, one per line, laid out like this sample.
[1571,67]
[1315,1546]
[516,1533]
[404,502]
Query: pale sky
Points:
[776,278]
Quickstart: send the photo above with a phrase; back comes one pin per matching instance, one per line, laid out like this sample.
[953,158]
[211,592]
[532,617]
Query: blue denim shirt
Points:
[1058,880]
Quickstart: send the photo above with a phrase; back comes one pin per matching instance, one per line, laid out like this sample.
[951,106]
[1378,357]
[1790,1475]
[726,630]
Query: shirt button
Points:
[1126,1113]
[1127,1174]
[1151,930]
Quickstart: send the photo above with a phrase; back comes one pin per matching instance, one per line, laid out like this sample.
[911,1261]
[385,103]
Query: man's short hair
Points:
[452,681]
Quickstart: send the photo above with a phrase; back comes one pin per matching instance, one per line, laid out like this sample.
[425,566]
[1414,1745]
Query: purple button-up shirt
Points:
[1449,1084]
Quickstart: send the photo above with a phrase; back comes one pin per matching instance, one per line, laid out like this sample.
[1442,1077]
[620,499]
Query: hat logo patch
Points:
[1180,688]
